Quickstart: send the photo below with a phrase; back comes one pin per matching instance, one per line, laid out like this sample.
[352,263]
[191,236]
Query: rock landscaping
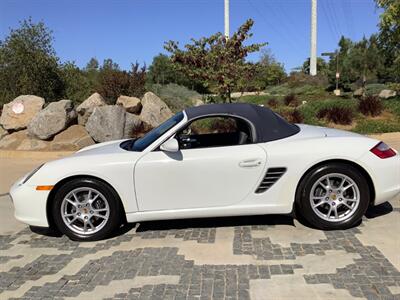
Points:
[27,123]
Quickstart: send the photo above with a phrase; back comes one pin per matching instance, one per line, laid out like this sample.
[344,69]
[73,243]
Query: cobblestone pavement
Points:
[264,257]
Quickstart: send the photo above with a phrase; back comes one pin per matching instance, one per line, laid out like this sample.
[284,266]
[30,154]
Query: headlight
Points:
[29,175]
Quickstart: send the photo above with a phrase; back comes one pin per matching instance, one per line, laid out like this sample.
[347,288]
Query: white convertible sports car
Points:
[210,161]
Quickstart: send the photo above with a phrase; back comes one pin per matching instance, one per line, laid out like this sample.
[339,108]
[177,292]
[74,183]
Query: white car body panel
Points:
[195,178]
[153,186]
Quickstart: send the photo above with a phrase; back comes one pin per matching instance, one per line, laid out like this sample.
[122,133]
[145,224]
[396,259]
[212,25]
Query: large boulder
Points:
[32,144]
[13,140]
[154,110]
[3,132]
[85,109]
[131,104]
[106,123]
[74,138]
[52,120]
[18,113]
[386,94]
[134,126]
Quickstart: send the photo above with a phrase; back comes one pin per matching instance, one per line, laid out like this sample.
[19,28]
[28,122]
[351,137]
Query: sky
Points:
[135,30]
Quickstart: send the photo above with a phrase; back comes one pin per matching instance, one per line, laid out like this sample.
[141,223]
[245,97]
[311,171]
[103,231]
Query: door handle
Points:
[251,163]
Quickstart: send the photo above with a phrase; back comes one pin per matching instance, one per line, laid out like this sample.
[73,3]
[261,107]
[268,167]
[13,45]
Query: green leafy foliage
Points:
[389,37]
[218,62]
[77,86]
[28,64]
[112,82]
[177,97]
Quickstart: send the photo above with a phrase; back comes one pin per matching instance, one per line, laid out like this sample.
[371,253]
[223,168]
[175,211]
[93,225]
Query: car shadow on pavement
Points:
[215,222]
[268,220]
[379,210]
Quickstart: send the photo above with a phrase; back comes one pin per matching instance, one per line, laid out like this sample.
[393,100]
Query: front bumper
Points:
[29,204]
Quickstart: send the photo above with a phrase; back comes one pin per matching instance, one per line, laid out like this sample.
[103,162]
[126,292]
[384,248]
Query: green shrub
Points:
[298,79]
[177,97]
[374,88]
[366,126]
[296,116]
[291,100]
[280,90]
[394,86]
[337,115]
[370,106]
[272,103]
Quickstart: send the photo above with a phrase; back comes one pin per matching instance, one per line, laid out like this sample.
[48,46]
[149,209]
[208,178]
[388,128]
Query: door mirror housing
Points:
[171,145]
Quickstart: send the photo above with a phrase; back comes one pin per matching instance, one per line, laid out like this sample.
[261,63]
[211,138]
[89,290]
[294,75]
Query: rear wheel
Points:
[86,209]
[333,196]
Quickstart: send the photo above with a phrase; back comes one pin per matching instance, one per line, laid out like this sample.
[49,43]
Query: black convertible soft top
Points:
[268,125]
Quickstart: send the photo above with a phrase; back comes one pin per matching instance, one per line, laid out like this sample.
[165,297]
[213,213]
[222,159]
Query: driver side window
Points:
[215,131]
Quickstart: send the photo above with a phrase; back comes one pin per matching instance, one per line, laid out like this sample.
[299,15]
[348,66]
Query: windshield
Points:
[154,134]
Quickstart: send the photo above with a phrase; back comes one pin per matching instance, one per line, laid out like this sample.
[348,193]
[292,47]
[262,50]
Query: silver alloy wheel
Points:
[85,210]
[335,197]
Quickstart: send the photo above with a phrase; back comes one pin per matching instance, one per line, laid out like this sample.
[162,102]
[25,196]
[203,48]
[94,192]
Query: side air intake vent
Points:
[272,176]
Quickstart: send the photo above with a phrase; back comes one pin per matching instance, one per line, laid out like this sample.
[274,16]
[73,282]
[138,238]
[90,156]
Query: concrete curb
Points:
[34,154]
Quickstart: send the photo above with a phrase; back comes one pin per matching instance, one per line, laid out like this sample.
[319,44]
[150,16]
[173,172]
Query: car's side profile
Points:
[211,161]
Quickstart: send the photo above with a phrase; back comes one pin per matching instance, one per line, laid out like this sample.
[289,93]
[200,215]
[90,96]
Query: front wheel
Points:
[86,209]
[333,196]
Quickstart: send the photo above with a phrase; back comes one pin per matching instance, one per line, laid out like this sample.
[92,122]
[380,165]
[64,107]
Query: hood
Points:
[102,148]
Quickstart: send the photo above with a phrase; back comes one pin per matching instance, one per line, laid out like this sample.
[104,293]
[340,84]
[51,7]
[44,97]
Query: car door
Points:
[198,177]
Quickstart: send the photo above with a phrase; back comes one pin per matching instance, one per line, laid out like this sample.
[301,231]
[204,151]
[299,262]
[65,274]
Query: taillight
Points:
[383,151]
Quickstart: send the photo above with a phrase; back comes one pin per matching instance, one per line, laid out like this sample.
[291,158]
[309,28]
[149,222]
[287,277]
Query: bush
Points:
[370,106]
[295,116]
[394,86]
[298,79]
[291,100]
[273,103]
[337,114]
[177,97]
[374,88]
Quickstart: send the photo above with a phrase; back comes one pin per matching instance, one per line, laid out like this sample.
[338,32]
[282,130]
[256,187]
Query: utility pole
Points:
[313,55]
[226,19]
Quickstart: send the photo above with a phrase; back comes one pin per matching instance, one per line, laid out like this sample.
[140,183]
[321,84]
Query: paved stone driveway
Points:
[270,257]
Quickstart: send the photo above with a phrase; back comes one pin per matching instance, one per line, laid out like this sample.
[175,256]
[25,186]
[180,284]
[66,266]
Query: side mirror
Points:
[170,146]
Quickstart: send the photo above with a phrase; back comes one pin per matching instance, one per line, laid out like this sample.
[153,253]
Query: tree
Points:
[164,71]
[217,61]
[137,80]
[113,82]
[360,62]
[28,63]
[366,59]
[389,37]
[270,71]
[322,66]
[92,65]
[77,85]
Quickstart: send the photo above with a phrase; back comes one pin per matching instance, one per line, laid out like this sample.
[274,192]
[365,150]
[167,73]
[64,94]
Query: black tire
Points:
[303,195]
[115,210]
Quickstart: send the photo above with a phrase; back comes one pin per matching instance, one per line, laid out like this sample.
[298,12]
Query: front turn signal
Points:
[44,187]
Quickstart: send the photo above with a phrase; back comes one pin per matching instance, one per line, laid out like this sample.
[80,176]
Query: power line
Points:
[335,34]
[336,22]
[276,29]
[282,16]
